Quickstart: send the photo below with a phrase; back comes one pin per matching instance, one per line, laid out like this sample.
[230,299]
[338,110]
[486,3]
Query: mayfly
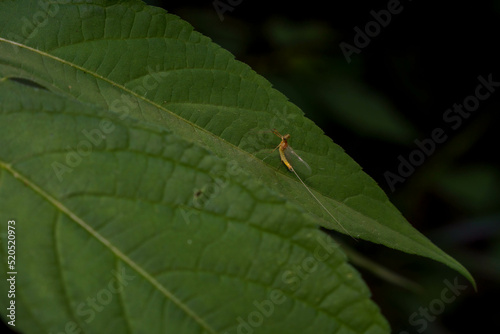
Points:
[286,155]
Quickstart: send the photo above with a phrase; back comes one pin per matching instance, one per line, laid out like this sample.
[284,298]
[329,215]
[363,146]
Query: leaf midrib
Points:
[119,254]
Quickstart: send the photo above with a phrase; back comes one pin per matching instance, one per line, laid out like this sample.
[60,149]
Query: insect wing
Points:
[297,162]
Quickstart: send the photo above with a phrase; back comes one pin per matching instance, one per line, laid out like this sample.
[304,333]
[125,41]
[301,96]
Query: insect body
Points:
[282,147]
[289,157]
[286,153]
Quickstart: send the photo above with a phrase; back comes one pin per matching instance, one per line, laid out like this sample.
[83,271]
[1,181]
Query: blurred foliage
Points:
[394,91]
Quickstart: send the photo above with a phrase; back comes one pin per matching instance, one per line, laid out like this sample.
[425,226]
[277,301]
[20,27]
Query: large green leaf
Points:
[186,117]
[242,259]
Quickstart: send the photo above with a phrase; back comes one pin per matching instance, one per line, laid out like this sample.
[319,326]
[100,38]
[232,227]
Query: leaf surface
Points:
[127,64]
[121,246]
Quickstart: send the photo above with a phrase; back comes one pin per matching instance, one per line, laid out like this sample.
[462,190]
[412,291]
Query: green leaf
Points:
[185,113]
[123,244]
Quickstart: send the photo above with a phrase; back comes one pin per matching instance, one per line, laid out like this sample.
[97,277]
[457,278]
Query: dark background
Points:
[395,91]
